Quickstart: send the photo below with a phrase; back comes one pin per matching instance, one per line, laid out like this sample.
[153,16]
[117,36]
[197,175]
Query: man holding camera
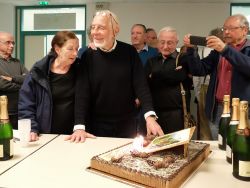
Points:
[228,65]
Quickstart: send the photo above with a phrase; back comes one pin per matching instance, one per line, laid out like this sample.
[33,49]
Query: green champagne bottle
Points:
[232,128]
[224,122]
[6,132]
[241,146]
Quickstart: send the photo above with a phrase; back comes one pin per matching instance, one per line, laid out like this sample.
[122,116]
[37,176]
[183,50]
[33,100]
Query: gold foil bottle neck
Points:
[243,115]
[235,101]
[226,104]
[236,109]
[3,106]
[226,98]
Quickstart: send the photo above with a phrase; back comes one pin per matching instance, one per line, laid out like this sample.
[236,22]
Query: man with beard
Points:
[111,78]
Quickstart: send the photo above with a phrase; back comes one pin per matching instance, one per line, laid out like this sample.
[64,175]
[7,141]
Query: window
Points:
[241,8]
[37,25]
[41,19]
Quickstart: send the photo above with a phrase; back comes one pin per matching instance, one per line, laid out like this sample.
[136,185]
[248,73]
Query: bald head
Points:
[4,34]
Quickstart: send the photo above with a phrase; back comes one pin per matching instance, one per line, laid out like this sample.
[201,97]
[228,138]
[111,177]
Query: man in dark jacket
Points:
[228,65]
[12,74]
[164,77]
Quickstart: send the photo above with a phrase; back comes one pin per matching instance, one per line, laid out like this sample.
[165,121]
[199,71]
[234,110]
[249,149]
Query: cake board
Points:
[137,178]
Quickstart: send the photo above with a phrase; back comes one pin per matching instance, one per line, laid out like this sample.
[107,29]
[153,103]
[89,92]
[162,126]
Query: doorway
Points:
[37,25]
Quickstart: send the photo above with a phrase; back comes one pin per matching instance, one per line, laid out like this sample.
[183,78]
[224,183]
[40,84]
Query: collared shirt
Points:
[11,67]
[9,59]
[146,53]
[7,67]
[110,50]
[224,76]
[172,55]
[145,48]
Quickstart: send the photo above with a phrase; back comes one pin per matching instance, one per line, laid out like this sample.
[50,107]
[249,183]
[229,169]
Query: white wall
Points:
[7,18]
[195,18]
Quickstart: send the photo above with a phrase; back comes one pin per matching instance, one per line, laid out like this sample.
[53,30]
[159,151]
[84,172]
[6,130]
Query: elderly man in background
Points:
[12,74]
[111,78]
[228,65]
[164,76]
[138,40]
[151,38]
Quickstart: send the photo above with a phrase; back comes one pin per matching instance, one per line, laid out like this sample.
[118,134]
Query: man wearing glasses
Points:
[164,77]
[12,74]
[109,82]
[228,65]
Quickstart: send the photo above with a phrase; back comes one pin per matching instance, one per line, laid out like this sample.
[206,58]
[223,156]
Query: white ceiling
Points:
[62,2]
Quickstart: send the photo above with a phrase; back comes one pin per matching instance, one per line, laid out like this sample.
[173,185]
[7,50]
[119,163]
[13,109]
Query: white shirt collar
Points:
[145,47]
[114,46]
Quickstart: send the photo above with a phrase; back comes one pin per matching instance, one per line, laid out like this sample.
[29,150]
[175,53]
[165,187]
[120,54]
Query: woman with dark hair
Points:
[47,96]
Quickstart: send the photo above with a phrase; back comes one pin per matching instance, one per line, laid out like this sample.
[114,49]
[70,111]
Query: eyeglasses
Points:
[230,28]
[8,42]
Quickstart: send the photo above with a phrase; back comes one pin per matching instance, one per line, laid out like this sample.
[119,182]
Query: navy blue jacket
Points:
[240,83]
[35,98]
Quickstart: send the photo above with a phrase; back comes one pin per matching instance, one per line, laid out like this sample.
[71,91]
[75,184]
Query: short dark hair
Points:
[149,29]
[141,25]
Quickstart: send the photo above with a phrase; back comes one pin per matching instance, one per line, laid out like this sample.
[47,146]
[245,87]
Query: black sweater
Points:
[108,83]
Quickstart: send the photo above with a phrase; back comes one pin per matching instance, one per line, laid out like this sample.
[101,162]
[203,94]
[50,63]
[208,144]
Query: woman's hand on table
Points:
[33,137]
[79,136]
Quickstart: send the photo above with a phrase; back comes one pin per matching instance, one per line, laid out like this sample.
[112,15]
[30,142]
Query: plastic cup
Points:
[24,127]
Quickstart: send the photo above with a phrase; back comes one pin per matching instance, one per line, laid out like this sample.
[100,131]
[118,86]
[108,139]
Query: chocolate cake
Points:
[161,169]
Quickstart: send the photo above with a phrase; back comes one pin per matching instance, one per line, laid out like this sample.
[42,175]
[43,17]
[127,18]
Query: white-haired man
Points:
[164,78]
[109,82]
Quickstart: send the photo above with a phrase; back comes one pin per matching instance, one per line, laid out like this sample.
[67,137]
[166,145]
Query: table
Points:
[63,164]
[20,153]
[215,172]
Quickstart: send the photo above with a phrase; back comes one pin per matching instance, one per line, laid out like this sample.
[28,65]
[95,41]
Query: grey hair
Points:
[168,29]
[114,19]
[243,20]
